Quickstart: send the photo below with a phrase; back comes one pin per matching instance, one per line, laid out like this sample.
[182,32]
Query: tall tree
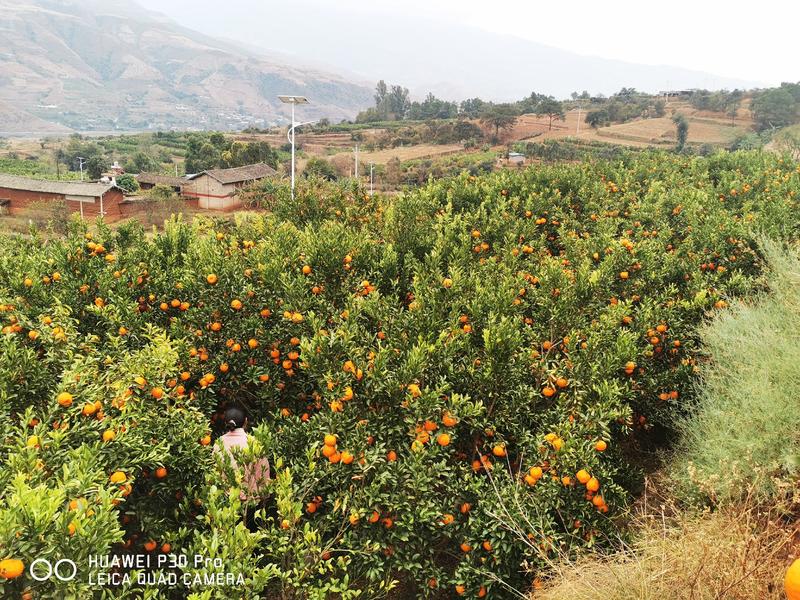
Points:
[774,108]
[551,108]
[398,102]
[681,131]
[733,104]
[499,117]
[472,107]
[381,90]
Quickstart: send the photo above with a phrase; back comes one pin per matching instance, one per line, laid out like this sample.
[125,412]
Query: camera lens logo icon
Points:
[64,569]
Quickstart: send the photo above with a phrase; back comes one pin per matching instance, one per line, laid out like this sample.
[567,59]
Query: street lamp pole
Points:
[293,100]
[293,103]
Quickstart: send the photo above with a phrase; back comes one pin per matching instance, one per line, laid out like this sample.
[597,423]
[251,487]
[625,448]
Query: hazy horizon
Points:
[358,39]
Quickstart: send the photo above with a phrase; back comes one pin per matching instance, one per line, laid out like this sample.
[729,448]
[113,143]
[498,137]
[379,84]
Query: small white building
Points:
[515,158]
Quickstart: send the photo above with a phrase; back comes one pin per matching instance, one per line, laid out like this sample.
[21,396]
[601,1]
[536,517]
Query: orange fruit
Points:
[330,440]
[499,450]
[211,278]
[593,485]
[601,446]
[11,568]
[583,476]
[347,457]
[306,270]
[64,399]
[109,435]
[205,440]
[791,582]
[443,439]
[118,477]
[161,472]
[166,547]
[150,545]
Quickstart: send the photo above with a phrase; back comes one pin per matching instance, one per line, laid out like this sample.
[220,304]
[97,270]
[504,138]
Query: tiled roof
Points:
[156,179]
[238,174]
[70,188]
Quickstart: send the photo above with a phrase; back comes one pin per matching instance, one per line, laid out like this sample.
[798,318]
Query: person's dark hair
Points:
[234,418]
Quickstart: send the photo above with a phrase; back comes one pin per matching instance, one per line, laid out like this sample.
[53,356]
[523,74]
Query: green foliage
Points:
[319,167]
[625,105]
[127,183]
[742,436]
[551,108]
[37,169]
[528,315]
[681,131]
[214,150]
[776,107]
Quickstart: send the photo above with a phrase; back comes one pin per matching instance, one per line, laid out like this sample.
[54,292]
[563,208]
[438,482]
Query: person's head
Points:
[234,418]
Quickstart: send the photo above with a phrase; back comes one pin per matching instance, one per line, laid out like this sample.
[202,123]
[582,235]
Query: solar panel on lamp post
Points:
[293,100]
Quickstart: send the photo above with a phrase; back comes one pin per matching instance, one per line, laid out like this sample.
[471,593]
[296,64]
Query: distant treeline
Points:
[771,107]
[160,152]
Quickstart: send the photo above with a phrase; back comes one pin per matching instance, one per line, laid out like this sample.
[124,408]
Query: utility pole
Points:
[80,165]
[356,161]
[371,179]
[579,120]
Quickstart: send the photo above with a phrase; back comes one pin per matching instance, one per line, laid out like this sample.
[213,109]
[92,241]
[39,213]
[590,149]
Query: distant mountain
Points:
[452,60]
[112,65]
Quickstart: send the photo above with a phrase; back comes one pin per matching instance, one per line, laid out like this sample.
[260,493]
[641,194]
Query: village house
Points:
[218,189]
[89,199]
[150,180]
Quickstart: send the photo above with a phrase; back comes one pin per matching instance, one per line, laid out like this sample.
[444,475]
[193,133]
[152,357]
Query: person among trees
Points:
[256,474]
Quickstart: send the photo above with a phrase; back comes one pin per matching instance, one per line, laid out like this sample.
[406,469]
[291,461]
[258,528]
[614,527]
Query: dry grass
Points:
[736,553]
[381,157]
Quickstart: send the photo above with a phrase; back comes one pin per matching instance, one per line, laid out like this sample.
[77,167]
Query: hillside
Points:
[113,65]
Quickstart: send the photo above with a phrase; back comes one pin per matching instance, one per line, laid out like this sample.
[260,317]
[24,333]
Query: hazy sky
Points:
[756,41]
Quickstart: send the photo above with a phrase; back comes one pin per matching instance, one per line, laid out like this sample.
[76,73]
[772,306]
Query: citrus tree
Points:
[450,384]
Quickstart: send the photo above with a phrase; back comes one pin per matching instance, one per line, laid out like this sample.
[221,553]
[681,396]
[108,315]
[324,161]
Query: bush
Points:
[128,183]
[486,350]
[743,433]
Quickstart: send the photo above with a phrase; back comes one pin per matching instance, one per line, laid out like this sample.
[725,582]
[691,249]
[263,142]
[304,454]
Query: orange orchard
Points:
[409,364]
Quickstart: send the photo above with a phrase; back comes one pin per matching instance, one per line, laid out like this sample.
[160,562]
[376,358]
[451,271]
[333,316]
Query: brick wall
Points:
[22,200]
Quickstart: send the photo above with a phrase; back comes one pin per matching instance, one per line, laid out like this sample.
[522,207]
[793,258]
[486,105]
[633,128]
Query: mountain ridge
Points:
[111,66]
